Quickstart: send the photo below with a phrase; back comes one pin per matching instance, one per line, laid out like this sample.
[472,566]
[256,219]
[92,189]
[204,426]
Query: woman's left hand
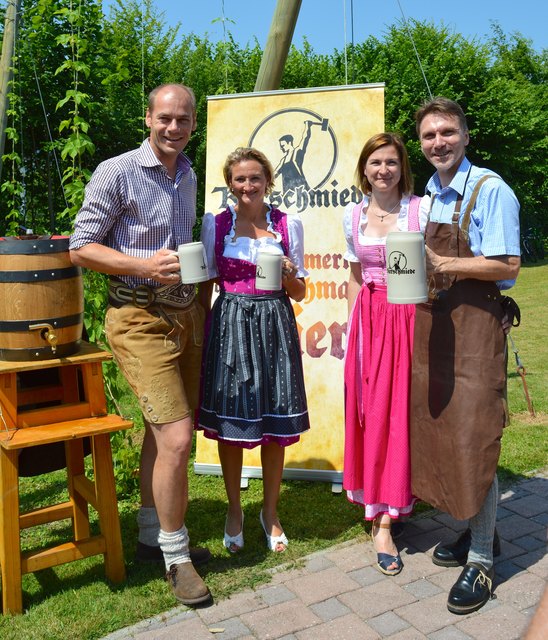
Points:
[289,270]
[295,286]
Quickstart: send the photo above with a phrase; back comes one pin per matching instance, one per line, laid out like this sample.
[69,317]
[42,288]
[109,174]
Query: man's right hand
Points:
[164,267]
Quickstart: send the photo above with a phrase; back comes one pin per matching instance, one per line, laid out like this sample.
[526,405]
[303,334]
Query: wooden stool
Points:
[78,412]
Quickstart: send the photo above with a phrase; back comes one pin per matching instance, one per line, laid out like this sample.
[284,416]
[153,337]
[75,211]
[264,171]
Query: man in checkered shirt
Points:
[139,207]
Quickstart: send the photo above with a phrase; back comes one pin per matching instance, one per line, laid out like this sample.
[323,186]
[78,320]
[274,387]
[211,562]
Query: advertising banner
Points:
[313,138]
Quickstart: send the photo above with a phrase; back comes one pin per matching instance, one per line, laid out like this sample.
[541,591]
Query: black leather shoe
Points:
[472,590]
[456,554]
[148,553]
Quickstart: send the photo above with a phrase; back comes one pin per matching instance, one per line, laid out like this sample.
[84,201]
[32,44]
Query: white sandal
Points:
[234,543]
[272,542]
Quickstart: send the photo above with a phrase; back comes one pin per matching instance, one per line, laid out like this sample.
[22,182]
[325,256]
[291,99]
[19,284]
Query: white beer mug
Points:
[268,274]
[406,268]
[193,262]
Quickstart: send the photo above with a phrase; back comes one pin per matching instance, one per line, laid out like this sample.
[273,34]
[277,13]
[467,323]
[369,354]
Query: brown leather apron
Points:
[458,399]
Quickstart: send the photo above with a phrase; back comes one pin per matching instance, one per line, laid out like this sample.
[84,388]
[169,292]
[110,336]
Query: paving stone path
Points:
[338,594]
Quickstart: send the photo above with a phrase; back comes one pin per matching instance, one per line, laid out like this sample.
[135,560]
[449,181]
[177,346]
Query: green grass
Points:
[530,339]
[76,601]
[525,442]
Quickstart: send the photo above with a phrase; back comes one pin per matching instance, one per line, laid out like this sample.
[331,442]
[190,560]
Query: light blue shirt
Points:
[494,220]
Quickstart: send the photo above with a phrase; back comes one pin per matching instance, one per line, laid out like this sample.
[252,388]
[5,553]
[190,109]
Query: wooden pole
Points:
[277,45]
[8,47]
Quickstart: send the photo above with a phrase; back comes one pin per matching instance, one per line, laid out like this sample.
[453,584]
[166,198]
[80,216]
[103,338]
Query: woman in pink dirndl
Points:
[377,373]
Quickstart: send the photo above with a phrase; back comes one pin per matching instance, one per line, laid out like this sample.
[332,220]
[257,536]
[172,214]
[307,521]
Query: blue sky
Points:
[323,21]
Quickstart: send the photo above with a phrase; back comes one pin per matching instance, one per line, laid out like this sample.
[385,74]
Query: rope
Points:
[345,44]
[406,23]
[50,137]
[9,432]
[352,36]
[225,47]
[521,372]
[3,421]
[114,401]
[22,170]
[49,134]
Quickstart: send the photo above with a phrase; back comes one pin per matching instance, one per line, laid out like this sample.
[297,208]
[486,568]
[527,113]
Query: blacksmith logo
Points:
[301,146]
[397,264]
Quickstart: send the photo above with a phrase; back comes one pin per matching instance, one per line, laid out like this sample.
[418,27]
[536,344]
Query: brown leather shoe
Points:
[186,584]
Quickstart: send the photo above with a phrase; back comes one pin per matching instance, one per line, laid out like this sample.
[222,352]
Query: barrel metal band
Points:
[56,323]
[30,247]
[40,275]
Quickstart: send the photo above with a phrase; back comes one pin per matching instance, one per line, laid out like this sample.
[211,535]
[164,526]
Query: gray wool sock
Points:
[149,526]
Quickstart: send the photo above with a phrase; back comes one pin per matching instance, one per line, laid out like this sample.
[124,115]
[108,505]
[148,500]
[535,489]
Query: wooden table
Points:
[66,404]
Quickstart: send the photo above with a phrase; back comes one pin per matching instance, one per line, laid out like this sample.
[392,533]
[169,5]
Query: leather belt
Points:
[176,295]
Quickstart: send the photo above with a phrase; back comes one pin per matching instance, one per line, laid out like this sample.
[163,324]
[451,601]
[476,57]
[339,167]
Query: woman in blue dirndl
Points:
[253,386]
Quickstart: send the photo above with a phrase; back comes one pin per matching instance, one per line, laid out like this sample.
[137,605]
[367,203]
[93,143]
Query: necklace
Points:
[387,213]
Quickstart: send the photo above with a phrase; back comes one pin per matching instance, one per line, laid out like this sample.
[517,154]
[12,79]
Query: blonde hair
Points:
[241,154]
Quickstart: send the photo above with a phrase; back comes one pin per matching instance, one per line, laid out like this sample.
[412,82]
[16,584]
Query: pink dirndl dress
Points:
[377,375]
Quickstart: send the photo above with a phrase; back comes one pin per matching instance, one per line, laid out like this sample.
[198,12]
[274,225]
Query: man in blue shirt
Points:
[458,406]
[139,207]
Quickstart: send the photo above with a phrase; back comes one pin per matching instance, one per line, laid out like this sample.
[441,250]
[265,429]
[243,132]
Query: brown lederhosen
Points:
[458,402]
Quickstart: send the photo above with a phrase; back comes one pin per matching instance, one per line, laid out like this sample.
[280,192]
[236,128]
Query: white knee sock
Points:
[149,526]
[174,546]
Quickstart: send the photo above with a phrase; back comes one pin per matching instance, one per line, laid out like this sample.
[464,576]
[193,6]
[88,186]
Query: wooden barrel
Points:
[41,299]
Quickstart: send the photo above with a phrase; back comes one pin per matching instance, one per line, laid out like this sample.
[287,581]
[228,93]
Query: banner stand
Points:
[313,138]
[289,473]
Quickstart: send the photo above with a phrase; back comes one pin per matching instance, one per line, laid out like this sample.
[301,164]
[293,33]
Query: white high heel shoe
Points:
[234,543]
[272,542]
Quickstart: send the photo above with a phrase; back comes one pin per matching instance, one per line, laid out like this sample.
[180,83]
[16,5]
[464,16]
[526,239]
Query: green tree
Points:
[137,48]
[84,78]
[55,54]
[501,86]
[452,65]
[512,121]
[211,69]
